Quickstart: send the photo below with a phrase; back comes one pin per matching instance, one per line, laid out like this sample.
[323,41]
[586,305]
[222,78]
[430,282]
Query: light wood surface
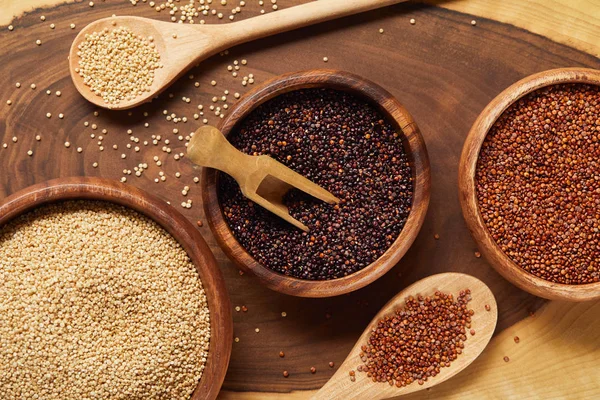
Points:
[262,179]
[414,146]
[571,22]
[182,46]
[442,69]
[483,322]
[468,193]
[221,327]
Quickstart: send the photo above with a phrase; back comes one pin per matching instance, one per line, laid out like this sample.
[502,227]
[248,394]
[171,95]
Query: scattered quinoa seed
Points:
[506,359]
[517,340]
[286,374]
[412,21]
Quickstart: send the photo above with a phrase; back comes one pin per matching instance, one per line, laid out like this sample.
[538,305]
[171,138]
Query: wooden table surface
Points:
[443,69]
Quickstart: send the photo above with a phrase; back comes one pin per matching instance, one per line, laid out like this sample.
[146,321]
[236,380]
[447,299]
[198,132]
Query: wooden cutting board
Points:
[443,69]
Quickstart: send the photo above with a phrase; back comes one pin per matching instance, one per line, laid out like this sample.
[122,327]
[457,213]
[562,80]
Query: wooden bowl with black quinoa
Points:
[108,291]
[529,181]
[353,138]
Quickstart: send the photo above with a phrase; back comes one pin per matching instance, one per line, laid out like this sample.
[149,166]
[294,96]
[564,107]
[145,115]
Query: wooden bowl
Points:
[413,143]
[468,196]
[221,326]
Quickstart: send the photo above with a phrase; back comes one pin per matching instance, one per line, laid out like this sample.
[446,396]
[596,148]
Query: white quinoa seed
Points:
[413,21]
[93,315]
[112,73]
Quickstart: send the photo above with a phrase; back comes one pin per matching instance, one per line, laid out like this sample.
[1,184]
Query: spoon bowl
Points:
[483,322]
[180,47]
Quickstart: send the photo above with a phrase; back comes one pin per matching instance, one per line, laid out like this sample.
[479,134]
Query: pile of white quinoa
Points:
[117,64]
[98,302]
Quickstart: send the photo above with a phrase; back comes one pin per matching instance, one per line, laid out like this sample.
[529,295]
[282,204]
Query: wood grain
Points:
[442,69]
[483,322]
[221,327]
[468,193]
[415,149]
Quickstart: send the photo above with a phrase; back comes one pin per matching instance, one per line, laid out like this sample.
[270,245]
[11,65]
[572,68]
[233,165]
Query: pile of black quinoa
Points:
[342,143]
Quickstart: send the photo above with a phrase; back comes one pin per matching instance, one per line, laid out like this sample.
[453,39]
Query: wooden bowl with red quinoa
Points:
[409,140]
[524,155]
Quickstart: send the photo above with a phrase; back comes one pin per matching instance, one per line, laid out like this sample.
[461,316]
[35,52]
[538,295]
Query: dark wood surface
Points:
[179,227]
[468,193]
[442,69]
[412,141]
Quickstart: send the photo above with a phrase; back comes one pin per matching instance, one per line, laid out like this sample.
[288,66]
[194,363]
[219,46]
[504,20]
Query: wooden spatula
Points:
[262,179]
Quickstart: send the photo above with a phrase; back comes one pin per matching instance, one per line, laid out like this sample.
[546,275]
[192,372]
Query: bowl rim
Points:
[413,142]
[166,216]
[468,194]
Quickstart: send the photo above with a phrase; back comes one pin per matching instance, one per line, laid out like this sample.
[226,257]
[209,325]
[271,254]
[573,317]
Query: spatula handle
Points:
[298,17]
[209,148]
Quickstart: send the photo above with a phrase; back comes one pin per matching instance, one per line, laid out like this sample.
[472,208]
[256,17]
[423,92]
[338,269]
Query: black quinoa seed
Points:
[342,143]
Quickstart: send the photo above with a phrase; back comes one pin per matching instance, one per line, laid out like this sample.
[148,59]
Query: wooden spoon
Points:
[182,46]
[483,322]
[262,179]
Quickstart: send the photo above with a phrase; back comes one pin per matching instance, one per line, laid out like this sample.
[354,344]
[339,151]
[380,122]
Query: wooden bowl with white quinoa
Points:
[107,292]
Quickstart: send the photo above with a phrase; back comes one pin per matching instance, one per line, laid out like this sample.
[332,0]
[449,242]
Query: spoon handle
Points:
[300,16]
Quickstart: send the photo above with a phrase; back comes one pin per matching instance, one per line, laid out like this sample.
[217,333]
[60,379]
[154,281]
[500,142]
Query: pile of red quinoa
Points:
[418,340]
[538,183]
[344,144]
